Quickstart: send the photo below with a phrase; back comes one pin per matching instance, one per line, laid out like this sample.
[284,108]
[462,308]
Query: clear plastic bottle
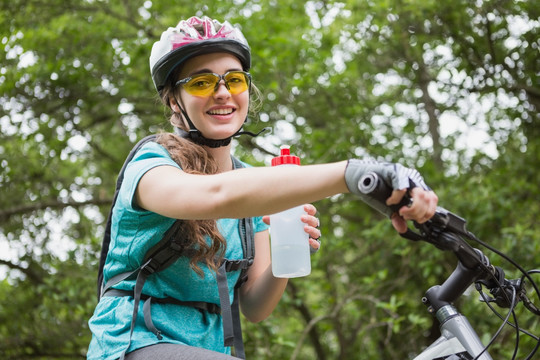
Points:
[289,241]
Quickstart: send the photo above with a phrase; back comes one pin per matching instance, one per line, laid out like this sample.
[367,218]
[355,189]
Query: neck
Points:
[222,156]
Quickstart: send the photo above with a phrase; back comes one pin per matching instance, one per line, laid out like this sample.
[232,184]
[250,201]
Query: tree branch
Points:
[52,204]
[311,329]
[489,38]
[424,80]
[32,275]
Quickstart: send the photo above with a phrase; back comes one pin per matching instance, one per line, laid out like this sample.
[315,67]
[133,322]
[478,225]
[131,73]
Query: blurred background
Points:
[451,88]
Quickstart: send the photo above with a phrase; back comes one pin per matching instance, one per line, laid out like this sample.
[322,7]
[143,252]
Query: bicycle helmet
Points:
[193,37]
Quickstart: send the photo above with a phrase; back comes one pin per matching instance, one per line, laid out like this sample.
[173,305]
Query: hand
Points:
[311,226]
[422,207]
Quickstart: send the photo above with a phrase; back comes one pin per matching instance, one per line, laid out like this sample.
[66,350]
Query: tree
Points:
[404,81]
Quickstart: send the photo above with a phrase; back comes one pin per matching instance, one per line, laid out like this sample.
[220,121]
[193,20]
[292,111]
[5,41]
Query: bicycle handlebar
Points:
[444,230]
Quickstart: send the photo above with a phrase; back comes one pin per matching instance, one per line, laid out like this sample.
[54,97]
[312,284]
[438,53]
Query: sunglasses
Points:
[206,84]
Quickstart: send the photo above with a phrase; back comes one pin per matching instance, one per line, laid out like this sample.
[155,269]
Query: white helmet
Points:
[193,37]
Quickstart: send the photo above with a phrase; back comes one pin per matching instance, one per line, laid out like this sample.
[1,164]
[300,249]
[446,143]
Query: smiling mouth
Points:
[221,111]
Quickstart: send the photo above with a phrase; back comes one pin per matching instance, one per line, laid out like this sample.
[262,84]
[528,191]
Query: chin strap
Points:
[198,138]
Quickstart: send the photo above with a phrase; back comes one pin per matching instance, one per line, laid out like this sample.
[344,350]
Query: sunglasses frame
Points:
[185,81]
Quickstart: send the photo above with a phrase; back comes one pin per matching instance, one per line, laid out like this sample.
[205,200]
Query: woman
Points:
[200,69]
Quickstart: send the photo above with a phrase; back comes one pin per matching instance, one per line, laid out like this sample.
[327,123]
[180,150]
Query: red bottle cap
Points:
[285,158]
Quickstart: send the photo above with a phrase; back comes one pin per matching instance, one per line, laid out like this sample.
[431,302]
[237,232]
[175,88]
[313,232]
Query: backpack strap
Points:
[235,327]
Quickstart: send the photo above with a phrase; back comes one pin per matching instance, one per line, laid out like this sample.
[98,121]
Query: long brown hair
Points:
[193,159]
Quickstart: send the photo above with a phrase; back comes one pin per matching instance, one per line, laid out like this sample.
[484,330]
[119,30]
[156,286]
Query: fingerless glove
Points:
[396,176]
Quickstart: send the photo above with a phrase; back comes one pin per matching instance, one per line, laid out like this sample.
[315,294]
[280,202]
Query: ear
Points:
[173,104]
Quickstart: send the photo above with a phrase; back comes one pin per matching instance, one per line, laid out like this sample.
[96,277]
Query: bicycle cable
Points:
[505,321]
[510,260]
[485,299]
[534,310]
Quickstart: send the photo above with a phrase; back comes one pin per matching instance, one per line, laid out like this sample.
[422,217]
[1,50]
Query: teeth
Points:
[220,111]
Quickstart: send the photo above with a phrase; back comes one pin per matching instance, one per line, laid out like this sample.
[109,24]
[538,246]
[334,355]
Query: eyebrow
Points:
[206,71]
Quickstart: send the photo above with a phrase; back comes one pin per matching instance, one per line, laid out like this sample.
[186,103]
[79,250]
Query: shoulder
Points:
[149,155]
[150,149]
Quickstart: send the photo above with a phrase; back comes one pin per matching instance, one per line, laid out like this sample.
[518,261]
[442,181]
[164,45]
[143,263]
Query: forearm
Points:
[259,298]
[269,190]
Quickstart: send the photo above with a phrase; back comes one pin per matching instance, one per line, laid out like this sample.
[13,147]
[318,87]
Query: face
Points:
[221,114]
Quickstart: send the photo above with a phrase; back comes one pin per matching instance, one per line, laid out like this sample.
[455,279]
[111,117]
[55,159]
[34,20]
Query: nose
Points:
[221,89]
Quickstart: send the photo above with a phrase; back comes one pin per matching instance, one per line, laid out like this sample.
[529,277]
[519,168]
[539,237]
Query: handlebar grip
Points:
[377,190]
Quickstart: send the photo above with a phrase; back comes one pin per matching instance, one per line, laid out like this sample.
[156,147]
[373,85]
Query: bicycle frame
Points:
[458,338]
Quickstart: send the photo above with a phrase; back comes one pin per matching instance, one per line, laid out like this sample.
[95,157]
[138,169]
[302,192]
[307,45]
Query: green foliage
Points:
[449,88]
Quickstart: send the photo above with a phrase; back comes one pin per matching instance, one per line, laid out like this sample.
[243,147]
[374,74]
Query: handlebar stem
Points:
[461,278]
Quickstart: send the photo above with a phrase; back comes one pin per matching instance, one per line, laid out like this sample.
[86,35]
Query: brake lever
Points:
[442,220]
[449,221]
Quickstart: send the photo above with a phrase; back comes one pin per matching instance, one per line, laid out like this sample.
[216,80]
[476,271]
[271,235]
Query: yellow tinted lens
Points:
[237,82]
[202,85]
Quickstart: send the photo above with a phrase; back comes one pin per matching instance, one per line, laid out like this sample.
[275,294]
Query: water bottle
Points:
[289,242]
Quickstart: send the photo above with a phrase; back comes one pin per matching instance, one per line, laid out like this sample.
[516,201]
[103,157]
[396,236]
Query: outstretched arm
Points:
[256,191]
